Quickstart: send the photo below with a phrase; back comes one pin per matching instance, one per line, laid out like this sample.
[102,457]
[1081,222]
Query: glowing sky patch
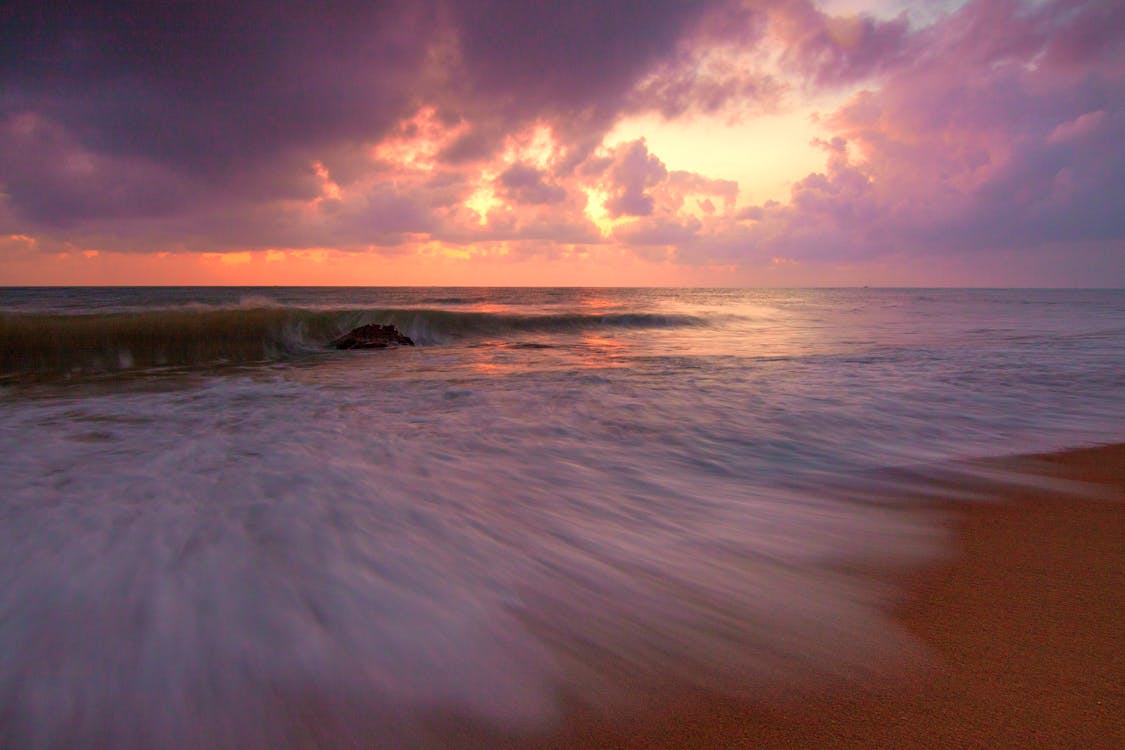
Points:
[764,155]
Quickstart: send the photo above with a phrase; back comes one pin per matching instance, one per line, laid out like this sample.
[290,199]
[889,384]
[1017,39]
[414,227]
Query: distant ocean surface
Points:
[217,532]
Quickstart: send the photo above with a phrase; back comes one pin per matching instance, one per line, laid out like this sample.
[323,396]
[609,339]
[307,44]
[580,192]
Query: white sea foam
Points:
[197,560]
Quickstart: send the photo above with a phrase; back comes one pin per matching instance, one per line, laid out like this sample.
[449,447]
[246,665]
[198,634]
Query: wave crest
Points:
[62,344]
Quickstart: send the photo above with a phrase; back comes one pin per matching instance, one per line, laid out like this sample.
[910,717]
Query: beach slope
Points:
[1022,623]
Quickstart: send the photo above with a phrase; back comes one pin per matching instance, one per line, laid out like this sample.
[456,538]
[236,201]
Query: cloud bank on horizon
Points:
[469,142]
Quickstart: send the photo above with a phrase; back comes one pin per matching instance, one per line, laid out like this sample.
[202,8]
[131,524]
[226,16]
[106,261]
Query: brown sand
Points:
[1024,623]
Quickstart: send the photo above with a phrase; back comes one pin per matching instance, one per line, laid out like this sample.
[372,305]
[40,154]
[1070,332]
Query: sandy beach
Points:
[1022,625]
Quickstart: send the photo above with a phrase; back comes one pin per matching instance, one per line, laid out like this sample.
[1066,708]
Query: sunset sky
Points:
[493,142]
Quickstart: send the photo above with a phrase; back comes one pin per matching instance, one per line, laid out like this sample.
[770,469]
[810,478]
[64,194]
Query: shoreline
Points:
[1021,624]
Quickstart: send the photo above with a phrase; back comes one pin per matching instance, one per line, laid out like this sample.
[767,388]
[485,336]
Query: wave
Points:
[68,344]
[433,326]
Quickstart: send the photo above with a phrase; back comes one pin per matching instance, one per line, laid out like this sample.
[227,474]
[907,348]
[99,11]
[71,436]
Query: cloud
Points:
[986,138]
[706,87]
[522,183]
[1079,128]
[131,112]
[715,68]
[570,62]
[837,50]
[631,171]
[53,180]
[659,231]
[211,89]
[681,184]
[380,127]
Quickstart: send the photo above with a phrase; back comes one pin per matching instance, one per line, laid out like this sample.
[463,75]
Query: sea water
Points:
[215,531]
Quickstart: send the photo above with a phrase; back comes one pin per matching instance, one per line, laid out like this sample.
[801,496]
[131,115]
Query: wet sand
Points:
[1023,625]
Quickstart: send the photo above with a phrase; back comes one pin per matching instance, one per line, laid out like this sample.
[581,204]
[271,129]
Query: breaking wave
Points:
[65,344]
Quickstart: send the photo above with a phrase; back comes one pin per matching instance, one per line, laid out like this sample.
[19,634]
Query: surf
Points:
[60,344]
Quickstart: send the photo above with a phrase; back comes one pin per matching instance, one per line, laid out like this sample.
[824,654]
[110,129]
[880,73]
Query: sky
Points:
[617,142]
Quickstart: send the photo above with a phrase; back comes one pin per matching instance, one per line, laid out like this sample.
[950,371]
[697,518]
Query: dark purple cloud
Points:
[54,180]
[186,108]
[574,62]
[212,87]
[522,183]
[189,113]
[190,107]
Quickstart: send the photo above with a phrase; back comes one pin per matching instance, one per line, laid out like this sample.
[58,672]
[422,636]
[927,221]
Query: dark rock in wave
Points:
[371,336]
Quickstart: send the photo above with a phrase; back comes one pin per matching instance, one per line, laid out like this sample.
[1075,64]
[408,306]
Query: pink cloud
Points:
[659,230]
[834,50]
[631,171]
[1079,128]
[979,141]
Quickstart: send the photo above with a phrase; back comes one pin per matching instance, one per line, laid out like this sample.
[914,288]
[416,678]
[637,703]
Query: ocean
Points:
[216,531]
